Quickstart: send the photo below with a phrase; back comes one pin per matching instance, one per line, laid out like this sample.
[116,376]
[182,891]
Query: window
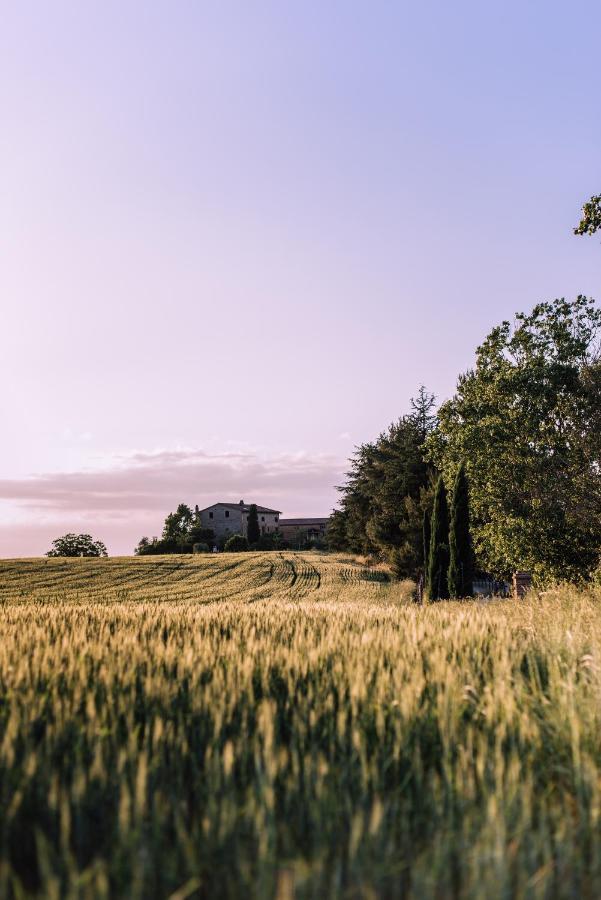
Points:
[210,515]
[227,514]
[262,518]
[277,518]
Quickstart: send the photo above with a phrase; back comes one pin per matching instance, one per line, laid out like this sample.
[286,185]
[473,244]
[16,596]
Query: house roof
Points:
[244,507]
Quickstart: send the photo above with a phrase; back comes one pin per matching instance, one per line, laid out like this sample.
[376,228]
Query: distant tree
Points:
[183,528]
[177,526]
[460,543]
[236,544]
[253,530]
[591,217]
[438,564]
[77,545]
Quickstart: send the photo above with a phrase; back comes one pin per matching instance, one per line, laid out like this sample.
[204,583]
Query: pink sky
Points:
[235,238]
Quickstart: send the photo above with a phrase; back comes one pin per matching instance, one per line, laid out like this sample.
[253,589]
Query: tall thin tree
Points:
[252,528]
[461,570]
[426,532]
[438,564]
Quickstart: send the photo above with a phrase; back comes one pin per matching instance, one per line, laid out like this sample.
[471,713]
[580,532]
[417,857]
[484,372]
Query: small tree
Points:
[252,529]
[438,564]
[77,545]
[460,543]
[236,544]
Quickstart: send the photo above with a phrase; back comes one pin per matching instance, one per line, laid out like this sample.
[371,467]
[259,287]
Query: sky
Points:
[236,237]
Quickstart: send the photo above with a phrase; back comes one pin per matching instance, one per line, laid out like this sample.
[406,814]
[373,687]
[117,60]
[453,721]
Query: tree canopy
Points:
[77,545]
[388,486]
[253,529]
[181,531]
[591,216]
[527,423]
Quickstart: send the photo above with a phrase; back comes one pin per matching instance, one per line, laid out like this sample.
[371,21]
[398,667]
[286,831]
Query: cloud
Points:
[133,495]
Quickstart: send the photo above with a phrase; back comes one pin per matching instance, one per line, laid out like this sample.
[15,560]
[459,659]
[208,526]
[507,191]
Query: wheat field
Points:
[292,725]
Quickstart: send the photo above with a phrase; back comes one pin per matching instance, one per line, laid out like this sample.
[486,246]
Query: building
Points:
[303,530]
[232,518]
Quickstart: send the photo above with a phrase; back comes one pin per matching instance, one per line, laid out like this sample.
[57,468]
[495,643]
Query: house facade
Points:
[227,519]
[303,530]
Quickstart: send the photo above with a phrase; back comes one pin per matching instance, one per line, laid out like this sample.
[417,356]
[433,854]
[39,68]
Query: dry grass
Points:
[263,725]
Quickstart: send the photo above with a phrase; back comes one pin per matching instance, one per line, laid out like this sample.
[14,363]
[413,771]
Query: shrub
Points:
[200,547]
[236,544]
[77,545]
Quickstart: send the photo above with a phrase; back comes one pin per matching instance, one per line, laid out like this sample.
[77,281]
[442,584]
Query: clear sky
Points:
[235,237]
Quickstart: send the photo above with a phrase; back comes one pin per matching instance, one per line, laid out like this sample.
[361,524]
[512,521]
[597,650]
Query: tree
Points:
[591,217]
[236,544]
[336,537]
[182,530]
[438,563]
[526,422]
[252,527]
[460,544]
[426,536]
[177,528]
[77,545]
[387,487]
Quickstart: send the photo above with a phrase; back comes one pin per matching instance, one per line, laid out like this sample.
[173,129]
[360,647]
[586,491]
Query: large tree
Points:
[527,422]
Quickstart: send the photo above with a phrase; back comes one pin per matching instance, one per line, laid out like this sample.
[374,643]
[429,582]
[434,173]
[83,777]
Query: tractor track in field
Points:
[255,576]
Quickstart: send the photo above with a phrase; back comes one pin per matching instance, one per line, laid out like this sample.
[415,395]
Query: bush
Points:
[77,545]
[200,547]
[236,544]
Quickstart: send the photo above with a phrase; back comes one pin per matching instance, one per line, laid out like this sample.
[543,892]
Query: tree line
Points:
[519,445]
[523,428]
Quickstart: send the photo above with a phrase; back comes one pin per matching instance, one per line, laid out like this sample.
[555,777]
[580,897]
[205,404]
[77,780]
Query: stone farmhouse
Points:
[232,518]
[303,529]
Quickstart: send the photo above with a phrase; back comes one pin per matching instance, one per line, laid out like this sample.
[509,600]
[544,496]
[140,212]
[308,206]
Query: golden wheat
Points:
[278,725]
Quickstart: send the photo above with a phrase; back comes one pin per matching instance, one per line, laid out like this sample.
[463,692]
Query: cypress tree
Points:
[426,532]
[460,545]
[252,528]
[438,563]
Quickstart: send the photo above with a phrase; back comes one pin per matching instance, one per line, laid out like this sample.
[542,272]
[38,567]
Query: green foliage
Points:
[591,217]
[438,563]
[252,529]
[336,536]
[426,538]
[77,545]
[460,543]
[388,487]
[236,544]
[200,547]
[182,530]
[527,423]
